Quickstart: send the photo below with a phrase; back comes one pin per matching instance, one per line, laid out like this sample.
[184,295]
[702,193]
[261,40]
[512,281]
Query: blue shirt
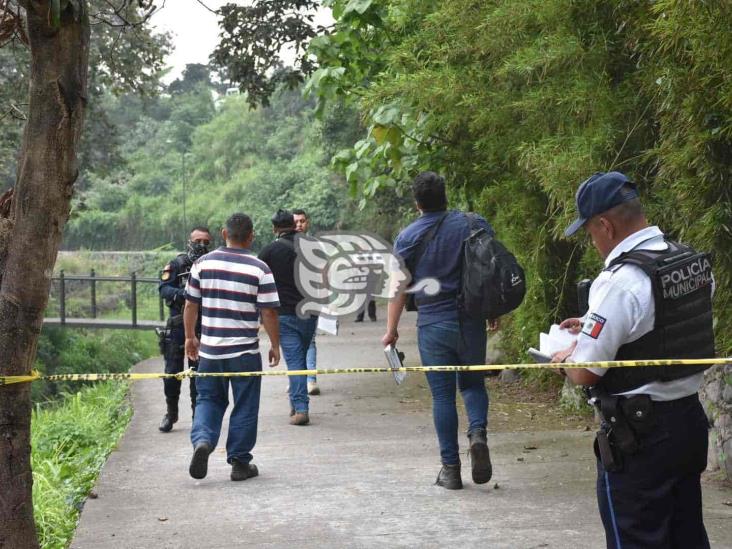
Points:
[441,259]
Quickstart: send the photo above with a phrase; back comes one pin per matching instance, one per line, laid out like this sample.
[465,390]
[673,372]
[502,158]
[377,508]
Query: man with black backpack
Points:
[447,333]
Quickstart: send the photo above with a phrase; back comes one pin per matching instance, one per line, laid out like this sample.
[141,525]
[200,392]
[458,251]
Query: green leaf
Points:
[387,115]
[359,6]
[361,147]
[395,137]
[395,156]
[351,169]
[380,134]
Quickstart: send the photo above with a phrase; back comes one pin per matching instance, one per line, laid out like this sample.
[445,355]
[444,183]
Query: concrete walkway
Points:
[361,475]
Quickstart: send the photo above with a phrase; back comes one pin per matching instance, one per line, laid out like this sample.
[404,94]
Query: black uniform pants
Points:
[175,363]
[371,309]
[655,500]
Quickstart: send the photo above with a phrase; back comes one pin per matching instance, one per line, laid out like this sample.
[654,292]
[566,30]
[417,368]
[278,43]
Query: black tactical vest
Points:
[682,291]
[182,264]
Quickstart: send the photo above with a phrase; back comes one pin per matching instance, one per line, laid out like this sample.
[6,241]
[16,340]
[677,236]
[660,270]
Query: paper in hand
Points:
[394,358]
[556,340]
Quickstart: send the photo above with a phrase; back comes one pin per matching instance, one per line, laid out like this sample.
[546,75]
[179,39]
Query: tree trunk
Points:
[47,170]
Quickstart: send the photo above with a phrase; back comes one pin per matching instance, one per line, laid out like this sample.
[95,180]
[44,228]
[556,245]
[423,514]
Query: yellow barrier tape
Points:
[35,376]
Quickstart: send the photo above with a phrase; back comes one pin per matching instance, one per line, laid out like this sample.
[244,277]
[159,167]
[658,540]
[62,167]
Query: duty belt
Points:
[622,421]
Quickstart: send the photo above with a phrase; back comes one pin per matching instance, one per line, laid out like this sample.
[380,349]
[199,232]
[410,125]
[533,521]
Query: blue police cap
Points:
[601,192]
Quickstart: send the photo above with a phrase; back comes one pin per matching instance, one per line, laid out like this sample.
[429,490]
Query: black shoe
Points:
[449,477]
[199,462]
[358,320]
[243,471]
[372,319]
[480,456]
[167,424]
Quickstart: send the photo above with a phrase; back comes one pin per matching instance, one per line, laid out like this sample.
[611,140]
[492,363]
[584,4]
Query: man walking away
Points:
[444,336]
[172,289]
[231,287]
[302,224]
[296,333]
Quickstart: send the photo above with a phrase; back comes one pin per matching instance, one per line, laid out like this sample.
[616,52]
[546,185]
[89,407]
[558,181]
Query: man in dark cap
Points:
[653,300]
[296,333]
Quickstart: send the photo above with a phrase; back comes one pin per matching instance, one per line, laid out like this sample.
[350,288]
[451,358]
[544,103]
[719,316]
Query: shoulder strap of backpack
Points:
[474,225]
[424,241]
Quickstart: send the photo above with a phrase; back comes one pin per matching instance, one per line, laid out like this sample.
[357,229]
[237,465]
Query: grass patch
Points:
[71,442]
[76,351]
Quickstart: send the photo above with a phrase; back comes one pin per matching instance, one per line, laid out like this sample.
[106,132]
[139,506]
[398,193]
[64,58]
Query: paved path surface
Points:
[361,475]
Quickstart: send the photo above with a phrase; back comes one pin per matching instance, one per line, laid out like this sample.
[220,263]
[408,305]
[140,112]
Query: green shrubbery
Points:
[67,351]
[517,102]
[70,444]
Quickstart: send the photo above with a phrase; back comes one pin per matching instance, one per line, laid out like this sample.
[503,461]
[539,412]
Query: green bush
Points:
[518,102]
[70,443]
[75,351]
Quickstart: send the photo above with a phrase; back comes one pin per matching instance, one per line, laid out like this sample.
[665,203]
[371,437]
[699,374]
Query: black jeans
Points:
[372,311]
[175,363]
[655,500]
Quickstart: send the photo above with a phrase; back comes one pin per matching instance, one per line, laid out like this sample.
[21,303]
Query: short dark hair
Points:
[628,211]
[298,211]
[200,228]
[429,192]
[283,219]
[239,227]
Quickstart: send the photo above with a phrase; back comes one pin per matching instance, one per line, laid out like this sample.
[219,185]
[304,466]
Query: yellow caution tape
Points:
[35,376]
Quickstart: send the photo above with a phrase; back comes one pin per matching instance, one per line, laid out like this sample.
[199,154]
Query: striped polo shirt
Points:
[231,285]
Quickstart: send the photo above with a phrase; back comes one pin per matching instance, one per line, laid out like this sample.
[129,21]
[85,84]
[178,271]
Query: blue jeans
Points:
[213,399]
[296,334]
[440,344]
[312,358]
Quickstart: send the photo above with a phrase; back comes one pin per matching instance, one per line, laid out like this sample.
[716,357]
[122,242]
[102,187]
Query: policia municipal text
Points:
[652,444]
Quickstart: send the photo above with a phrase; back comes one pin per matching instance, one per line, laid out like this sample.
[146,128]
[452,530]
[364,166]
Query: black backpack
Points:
[493,283]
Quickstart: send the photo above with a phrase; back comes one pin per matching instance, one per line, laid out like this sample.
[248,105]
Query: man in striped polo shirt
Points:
[232,288]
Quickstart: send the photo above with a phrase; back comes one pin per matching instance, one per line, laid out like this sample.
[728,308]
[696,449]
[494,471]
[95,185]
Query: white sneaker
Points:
[313,388]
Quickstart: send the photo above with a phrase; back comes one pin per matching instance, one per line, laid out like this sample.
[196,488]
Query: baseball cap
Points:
[599,193]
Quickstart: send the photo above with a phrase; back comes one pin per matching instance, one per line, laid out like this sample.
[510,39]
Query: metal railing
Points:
[92,278]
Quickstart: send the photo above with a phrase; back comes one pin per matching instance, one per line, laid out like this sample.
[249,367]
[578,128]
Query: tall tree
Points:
[33,214]
[59,44]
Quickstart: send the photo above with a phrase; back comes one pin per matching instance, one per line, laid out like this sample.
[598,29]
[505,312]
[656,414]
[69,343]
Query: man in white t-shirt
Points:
[651,301]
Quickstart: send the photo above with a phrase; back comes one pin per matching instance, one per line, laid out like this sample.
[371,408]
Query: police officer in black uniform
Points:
[653,300]
[172,286]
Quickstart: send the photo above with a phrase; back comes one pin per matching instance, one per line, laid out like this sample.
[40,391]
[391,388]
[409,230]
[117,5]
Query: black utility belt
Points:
[677,403]
[626,420]
[174,321]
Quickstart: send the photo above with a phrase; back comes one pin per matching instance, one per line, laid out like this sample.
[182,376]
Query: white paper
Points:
[538,356]
[556,340]
[328,324]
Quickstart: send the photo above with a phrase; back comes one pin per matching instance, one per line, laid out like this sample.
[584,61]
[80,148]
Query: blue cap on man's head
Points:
[601,192]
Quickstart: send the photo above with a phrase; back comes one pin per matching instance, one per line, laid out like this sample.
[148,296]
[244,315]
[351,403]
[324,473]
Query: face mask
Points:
[196,250]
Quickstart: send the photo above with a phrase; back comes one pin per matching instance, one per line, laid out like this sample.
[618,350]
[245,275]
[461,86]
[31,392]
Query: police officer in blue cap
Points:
[172,288]
[653,300]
